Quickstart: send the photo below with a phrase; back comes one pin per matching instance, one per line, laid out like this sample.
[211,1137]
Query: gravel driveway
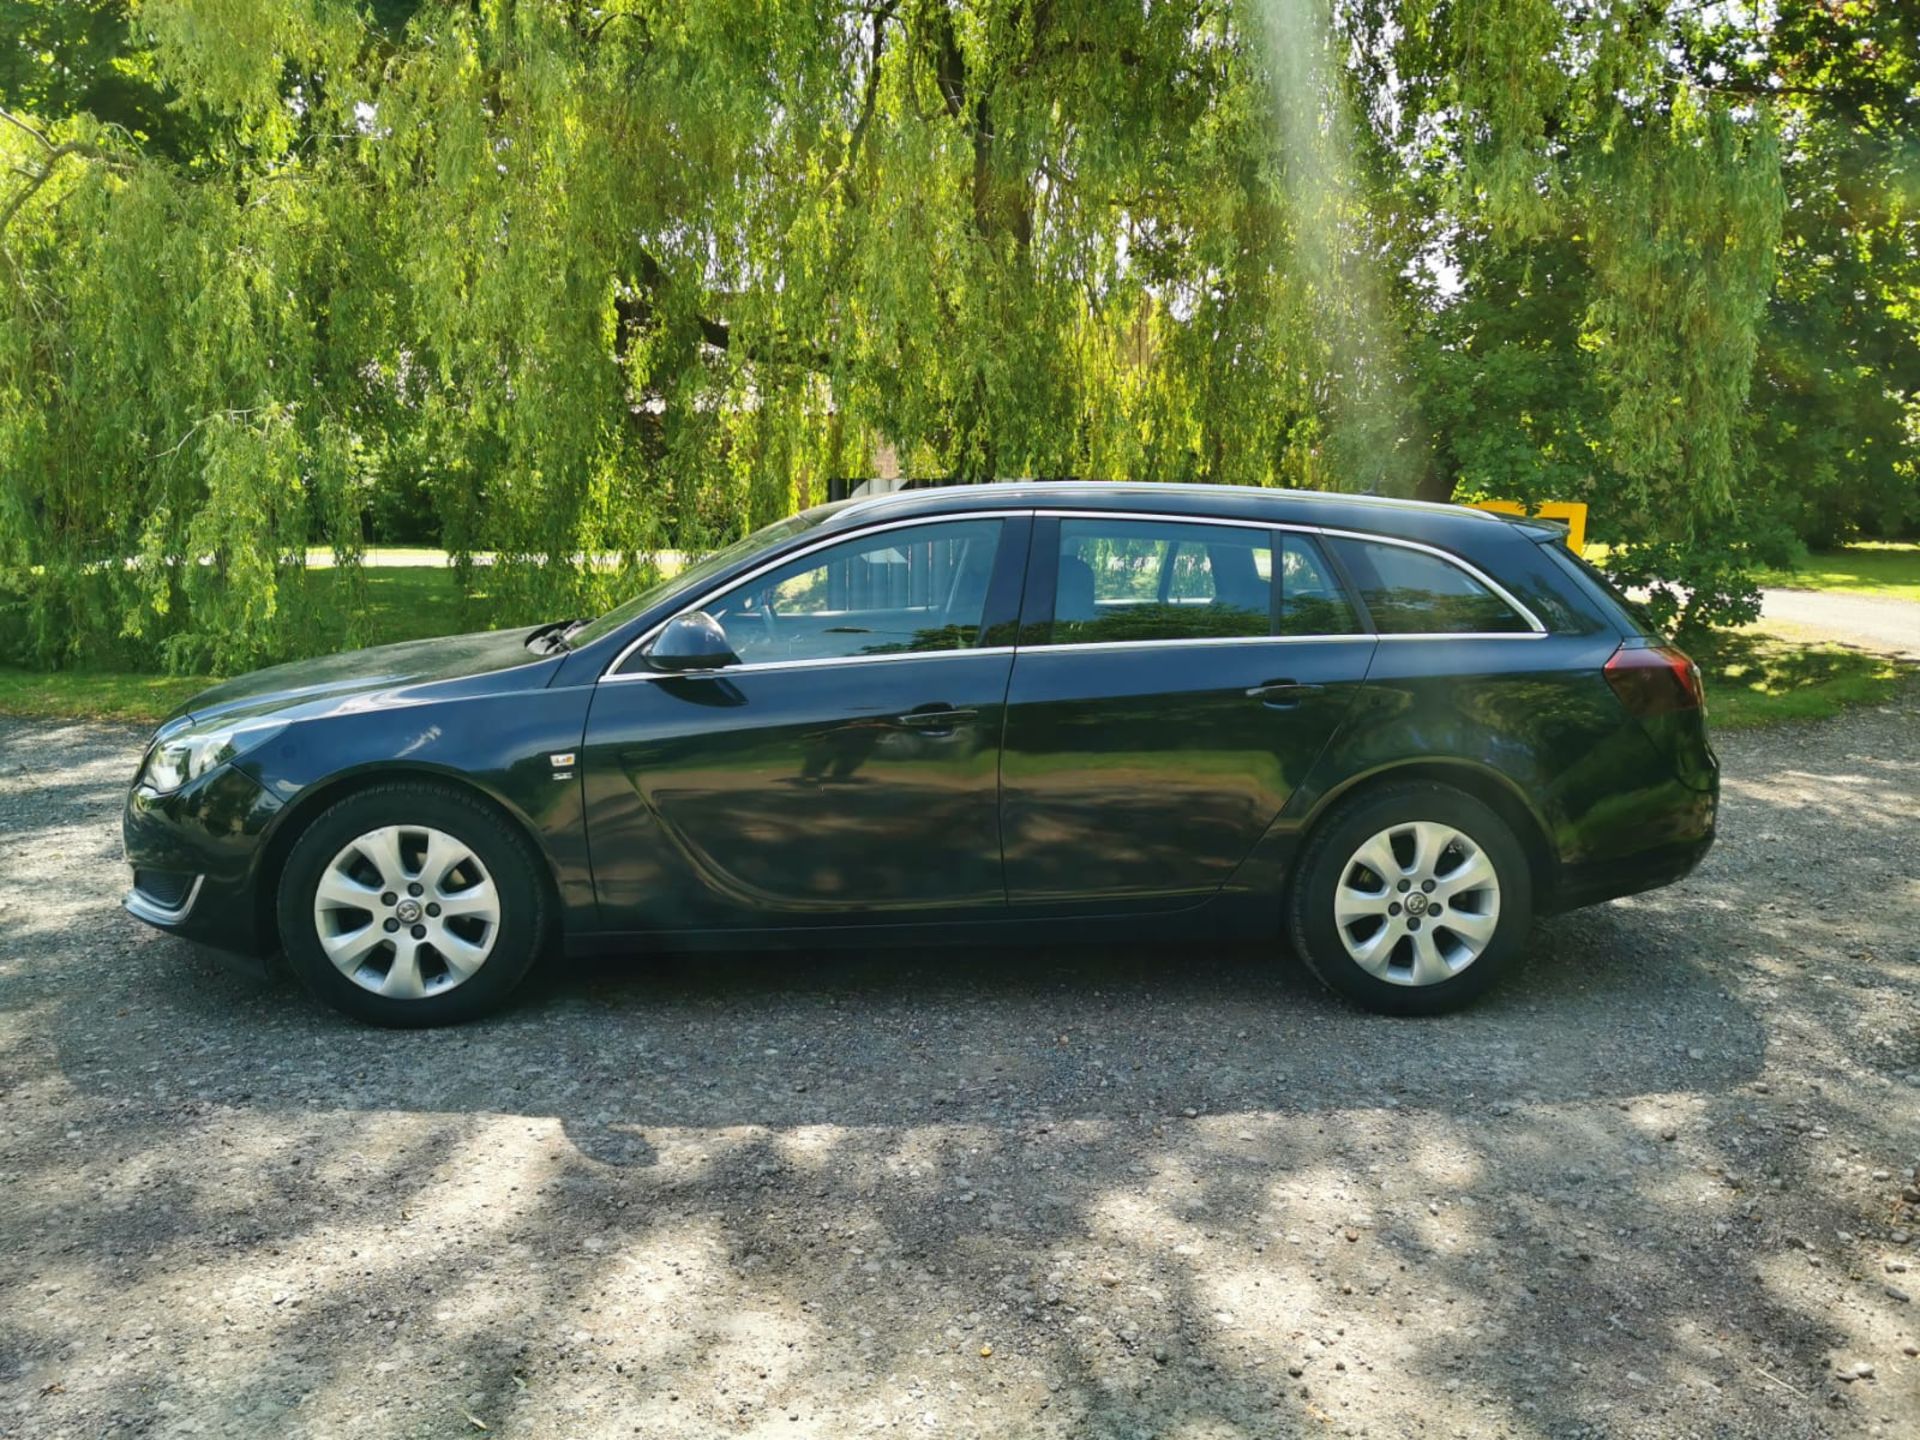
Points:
[1878,622]
[1661,1185]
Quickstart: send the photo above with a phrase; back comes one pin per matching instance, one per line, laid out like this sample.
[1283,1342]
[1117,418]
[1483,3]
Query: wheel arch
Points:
[1498,792]
[314,800]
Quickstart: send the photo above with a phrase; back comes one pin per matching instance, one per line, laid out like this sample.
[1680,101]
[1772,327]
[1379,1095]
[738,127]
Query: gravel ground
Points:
[1661,1185]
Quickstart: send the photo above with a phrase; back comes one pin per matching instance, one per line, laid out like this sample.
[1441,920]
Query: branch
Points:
[869,102]
[55,154]
[22,125]
[719,334]
[1762,89]
[194,429]
[950,67]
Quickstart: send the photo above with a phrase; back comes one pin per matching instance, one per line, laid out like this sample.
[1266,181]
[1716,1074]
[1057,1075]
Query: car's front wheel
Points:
[412,904]
[1412,899]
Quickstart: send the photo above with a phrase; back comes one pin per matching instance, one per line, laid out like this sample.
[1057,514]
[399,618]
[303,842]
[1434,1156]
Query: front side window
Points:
[1123,580]
[895,592]
[1411,592]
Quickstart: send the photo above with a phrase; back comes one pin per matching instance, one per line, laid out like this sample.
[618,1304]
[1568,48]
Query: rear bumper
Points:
[1594,882]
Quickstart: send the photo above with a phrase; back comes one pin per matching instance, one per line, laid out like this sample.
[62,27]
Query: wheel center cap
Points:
[407,911]
[1416,904]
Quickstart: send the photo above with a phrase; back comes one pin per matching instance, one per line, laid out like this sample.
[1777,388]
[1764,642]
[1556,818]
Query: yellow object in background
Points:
[1573,512]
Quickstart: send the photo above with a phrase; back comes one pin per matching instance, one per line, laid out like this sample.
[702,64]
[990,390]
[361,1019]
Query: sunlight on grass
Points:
[401,602]
[96,695]
[398,603]
[1755,678]
[1886,568]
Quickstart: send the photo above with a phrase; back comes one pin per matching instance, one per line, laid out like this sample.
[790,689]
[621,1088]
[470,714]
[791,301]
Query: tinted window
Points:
[1410,592]
[1634,613]
[1124,580]
[918,588]
[1311,600]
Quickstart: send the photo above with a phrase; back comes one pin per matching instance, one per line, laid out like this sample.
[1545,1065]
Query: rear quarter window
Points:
[1630,614]
[1414,592]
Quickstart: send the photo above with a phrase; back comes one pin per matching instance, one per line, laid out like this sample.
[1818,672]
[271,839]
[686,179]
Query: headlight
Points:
[187,756]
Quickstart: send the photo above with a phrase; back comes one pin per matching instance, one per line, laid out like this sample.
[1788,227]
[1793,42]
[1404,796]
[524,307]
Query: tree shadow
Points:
[1171,1193]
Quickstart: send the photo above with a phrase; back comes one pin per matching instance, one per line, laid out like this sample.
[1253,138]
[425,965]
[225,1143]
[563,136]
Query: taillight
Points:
[1655,680]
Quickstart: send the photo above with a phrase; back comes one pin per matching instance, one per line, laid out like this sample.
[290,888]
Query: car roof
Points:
[1409,519]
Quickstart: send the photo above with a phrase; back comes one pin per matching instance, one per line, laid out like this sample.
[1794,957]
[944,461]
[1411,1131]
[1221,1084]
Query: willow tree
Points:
[591,280]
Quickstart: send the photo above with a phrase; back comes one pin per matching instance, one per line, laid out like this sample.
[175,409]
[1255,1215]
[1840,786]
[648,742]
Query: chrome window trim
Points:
[1535,629]
[1085,646]
[1449,558]
[1153,515]
[1300,528]
[756,667]
[612,672]
[1466,635]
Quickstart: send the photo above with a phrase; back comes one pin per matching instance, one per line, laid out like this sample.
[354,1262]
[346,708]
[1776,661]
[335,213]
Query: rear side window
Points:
[1412,592]
[1311,600]
[1122,580]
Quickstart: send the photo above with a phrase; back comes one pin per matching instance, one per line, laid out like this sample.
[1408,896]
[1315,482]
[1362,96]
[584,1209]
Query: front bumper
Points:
[163,898]
[196,860]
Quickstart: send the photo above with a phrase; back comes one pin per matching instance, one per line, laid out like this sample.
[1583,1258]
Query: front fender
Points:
[502,746]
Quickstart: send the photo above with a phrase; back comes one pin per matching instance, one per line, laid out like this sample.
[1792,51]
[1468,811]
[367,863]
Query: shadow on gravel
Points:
[961,1036]
[1172,1194]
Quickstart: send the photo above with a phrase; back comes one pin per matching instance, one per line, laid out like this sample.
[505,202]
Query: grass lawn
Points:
[1886,568]
[1762,677]
[95,694]
[402,603]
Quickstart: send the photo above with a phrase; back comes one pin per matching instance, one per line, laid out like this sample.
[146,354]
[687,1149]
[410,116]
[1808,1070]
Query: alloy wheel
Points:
[406,911]
[1417,903]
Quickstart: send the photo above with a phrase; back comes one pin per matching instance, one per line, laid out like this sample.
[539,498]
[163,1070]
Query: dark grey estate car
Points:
[1392,732]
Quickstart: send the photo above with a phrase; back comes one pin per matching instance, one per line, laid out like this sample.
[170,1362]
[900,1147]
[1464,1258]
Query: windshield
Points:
[694,574]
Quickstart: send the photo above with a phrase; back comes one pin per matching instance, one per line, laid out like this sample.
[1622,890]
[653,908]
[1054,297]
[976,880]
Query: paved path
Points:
[1660,1185]
[1877,622]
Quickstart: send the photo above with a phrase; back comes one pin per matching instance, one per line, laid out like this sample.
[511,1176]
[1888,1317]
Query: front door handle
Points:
[1282,694]
[941,717]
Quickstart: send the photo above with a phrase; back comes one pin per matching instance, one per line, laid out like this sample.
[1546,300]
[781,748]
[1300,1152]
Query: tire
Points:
[1414,964]
[424,866]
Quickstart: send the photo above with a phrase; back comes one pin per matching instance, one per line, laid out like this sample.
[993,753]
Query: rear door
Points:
[1175,681]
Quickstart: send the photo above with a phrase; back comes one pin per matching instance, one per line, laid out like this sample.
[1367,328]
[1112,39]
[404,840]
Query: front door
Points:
[1175,682]
[847,765]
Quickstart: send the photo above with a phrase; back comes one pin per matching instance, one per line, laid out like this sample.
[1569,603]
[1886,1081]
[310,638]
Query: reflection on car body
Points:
[1390,732]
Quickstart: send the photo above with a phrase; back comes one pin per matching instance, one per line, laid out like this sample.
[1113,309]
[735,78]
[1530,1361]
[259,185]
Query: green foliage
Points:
[573,283]
[388,604]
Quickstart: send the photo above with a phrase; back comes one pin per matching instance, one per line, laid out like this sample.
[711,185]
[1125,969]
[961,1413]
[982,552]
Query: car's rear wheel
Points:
[412,904]
[1412,899]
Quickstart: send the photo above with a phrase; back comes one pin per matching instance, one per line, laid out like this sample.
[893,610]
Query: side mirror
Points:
[690,643]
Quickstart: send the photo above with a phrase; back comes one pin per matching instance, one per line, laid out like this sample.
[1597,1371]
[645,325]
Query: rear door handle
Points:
[943,717]
[1282,694]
